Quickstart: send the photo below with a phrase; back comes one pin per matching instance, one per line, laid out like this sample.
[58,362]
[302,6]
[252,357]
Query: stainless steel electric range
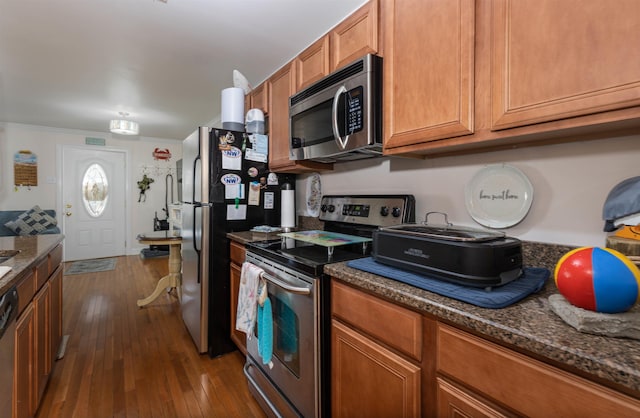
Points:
[296,383]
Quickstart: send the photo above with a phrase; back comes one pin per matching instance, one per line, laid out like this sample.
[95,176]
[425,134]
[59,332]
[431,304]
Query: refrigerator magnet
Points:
[254,193]
[232,159]
[269,198]
[238,213]
[225,140]
[252,171]
[272,179]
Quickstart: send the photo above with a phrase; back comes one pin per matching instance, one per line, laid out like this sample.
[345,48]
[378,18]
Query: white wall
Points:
[571,182]
[44,142]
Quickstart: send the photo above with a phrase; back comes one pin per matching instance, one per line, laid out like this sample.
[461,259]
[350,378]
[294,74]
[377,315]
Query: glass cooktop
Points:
[307,257]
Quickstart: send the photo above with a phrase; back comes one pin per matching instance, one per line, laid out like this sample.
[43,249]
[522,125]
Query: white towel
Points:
[248,298]
[4,270]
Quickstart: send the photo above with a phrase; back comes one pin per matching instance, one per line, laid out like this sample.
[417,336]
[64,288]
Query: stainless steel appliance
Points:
[220,167]
[339,118]
[8,315]
[467,256]
[298,383]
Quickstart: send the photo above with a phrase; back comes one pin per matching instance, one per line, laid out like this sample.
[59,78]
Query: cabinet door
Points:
[454,402]
[355,36]
[258,98]
[238,337]
[42,344]
[55,288]
[313,63]
[23,392]
[558,59]
[368,380]
[281,86]
[428,70]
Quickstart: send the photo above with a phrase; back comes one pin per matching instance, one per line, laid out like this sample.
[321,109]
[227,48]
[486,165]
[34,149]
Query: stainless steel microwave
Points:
[339,118]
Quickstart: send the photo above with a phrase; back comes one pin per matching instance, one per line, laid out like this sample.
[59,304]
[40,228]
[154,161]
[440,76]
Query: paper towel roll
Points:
[288,210]
[233,109]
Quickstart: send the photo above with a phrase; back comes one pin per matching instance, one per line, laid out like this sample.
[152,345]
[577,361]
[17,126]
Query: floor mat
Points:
[91,266]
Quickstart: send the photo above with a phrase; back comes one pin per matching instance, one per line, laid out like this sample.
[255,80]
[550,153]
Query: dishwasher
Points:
[8,314]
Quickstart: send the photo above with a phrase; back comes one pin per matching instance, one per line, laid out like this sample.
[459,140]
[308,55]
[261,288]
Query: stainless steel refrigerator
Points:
[227,187]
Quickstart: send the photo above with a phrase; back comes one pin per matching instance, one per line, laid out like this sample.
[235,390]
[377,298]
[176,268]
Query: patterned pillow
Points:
[31,222]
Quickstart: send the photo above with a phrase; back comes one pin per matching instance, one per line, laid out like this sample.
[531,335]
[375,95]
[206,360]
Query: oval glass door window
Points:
[95,190]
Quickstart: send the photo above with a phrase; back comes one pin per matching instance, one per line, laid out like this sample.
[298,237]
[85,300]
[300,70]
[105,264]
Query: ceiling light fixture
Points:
[123,126]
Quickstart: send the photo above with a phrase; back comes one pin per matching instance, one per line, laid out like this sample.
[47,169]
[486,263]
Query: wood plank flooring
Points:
[125,361]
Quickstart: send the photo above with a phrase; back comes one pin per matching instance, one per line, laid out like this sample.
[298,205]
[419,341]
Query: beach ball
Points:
[598,279]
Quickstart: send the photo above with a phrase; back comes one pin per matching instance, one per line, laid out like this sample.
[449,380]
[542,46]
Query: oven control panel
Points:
[374,210]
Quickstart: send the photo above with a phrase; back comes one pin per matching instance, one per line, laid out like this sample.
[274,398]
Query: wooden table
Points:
[174,278]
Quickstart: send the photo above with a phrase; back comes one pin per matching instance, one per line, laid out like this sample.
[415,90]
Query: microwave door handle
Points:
[285,286]
[342,142]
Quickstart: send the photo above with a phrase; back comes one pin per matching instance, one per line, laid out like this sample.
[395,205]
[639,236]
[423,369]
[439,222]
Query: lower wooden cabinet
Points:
[377,360]
[369,380]
[24,361]
[375,370]
[455,402]
[38,333]
[237,253]
[42,345]
[522,384]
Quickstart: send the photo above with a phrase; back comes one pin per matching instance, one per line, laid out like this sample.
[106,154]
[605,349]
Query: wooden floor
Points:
[125,361]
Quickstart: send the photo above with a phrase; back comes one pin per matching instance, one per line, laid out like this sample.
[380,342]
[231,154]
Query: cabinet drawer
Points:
[55,258]
[236,252]
[42,272]
[529,386]
[393,325]
[26,289]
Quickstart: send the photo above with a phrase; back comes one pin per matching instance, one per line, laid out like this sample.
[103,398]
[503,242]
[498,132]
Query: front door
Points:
[93,202]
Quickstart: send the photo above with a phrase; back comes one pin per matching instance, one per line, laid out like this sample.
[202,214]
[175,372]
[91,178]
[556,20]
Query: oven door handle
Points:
[284,285]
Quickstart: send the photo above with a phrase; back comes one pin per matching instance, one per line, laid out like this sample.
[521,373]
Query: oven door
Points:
[294,371]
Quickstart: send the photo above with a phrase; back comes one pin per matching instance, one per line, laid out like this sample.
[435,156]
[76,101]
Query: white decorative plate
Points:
[498,196]
[314,195]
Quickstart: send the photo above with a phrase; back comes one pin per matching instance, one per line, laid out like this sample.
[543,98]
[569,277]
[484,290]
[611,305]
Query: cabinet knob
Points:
[68,213]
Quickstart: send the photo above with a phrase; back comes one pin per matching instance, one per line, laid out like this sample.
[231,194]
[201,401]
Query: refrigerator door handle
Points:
[195,237]
[193,173]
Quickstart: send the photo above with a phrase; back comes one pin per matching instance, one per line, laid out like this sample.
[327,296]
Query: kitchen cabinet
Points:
[553,60]
[280,86]
[38,331]
[313,63]
[378,366]
[455,401]
[523,384]
[480,75]
[355,36]
[428,70]
[24,362]
[42,344]
[379,349]
[258,99]
[236,254]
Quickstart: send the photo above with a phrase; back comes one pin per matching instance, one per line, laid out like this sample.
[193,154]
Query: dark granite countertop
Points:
[32,248]
[243,237]
[529,326]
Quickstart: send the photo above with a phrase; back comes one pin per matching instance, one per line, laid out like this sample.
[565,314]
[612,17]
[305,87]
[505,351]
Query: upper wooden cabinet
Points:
[558,59]
[428,70]
[355,36]
[313,63]
[480,74]
[258,98]
[280,86]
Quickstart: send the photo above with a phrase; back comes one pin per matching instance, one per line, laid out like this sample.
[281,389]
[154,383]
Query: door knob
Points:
[68,213]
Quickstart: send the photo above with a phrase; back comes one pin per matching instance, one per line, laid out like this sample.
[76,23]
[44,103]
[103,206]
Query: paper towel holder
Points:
[287,207]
